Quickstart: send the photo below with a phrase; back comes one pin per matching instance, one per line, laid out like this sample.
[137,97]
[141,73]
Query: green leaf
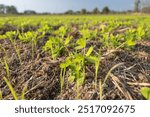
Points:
[62,65]
[131,42]
[3,36]
[71,79]
[62,31]
[81,79]
[68,39]
[78,47]
[66,64]
[85,33]
[92,59]
[78,58]
[82,43]
[10,34]
[89,51]
[145,92]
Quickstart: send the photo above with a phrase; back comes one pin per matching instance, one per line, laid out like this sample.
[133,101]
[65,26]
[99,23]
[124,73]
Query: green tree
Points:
[69,12]
[11,10]
[30,12]
[2,9]
[83,11]
[105,10]
[95,11]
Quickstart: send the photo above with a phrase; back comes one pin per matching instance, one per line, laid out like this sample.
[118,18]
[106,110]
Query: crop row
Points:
[80,41]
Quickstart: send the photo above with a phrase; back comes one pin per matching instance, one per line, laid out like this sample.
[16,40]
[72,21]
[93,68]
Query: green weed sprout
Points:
[13,92]
[11,88]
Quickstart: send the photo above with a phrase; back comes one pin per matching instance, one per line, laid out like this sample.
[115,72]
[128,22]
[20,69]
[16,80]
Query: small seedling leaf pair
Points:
[81,43]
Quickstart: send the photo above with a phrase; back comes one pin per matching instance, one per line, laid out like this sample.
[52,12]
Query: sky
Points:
[59,6]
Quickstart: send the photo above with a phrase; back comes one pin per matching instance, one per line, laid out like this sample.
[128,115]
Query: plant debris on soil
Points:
[41,73]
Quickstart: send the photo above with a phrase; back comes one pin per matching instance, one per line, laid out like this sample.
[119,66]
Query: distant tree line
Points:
[105,10]
[8,9]
[139,6]
[142,6]
[13,10]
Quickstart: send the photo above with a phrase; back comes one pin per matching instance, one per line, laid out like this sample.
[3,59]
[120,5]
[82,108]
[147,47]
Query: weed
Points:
[11,88]
[13,92]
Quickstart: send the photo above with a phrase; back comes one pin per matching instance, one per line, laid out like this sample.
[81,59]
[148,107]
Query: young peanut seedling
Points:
[10,36]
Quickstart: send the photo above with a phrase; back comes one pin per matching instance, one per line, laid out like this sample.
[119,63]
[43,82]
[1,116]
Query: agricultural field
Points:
[93,57]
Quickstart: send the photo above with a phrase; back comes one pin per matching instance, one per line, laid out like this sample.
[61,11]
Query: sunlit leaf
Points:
[146,92]
[131,42]
[89,51]
[68,39]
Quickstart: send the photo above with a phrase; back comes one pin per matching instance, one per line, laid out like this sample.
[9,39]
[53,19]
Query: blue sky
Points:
[59,6]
